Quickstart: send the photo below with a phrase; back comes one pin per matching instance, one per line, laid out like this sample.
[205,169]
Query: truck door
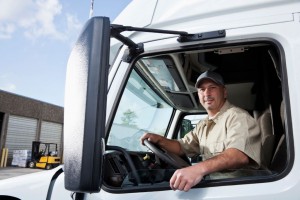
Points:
[153,91]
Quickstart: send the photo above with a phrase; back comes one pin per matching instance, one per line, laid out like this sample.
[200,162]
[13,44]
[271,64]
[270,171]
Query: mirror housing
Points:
[85,107]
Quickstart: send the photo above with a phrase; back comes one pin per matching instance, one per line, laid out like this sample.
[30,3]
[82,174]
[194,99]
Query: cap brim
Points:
[209,78]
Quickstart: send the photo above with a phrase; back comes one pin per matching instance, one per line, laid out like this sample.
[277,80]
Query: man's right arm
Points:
[172,146]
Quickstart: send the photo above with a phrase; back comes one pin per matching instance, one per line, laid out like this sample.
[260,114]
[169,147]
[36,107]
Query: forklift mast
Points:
[35,150]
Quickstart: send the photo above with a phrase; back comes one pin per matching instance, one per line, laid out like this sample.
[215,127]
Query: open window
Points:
[162,84]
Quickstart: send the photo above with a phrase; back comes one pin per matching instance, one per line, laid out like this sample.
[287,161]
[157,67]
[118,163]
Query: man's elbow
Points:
[240,158]
[243,159]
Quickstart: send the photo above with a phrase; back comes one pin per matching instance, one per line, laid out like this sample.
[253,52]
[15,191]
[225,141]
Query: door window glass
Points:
[189,123]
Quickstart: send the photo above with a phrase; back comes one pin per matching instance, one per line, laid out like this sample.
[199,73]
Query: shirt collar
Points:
[225,107]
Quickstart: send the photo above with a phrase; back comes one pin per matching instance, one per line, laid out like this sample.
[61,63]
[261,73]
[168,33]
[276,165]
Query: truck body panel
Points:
[259,59]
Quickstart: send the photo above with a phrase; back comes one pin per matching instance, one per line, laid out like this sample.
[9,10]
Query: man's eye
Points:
[212,87]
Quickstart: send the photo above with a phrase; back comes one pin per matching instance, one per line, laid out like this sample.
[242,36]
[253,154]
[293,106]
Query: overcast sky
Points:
[36,37]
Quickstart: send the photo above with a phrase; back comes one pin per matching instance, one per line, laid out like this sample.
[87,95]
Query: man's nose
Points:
[206,91]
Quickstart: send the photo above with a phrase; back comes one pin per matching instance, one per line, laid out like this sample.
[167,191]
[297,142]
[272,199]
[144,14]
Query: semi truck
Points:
[137,74]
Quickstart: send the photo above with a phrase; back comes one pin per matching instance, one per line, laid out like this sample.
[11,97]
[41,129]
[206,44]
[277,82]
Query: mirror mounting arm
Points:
[133,48]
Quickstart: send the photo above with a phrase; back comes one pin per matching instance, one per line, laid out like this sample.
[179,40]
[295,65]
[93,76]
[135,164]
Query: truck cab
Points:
[138,75]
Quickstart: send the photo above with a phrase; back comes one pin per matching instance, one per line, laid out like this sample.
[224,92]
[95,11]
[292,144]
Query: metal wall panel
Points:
[51,133]
[21,131]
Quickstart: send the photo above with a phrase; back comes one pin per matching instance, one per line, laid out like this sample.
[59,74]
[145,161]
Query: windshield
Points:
[140,110]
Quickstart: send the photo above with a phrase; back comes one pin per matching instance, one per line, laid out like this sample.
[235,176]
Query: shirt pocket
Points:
[216,148]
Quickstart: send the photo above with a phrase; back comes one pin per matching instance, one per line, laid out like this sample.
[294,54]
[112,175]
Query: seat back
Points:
[267,136]
[279,159]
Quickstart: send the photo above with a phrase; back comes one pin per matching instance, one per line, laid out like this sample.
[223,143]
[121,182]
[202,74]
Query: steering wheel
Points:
[129,160]
[171,158]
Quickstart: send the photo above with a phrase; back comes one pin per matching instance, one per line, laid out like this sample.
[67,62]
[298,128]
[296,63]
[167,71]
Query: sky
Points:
[36,38]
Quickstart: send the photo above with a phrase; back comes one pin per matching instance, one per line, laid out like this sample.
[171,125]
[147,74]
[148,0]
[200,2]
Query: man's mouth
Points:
[208,100]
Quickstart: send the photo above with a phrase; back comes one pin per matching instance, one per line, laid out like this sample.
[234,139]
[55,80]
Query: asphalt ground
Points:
[8,172]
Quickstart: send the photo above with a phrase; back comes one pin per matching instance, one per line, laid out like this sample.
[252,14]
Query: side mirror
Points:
[85,107]
[186,126]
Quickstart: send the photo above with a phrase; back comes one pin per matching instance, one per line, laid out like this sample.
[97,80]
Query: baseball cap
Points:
[217,78]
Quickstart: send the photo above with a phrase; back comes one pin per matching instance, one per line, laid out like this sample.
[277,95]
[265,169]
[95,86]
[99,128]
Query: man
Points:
[228,139]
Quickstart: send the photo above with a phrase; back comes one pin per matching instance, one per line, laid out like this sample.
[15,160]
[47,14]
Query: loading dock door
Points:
[51,133]
[21,131]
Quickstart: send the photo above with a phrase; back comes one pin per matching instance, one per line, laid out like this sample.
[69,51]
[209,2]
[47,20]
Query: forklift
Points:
[44,155]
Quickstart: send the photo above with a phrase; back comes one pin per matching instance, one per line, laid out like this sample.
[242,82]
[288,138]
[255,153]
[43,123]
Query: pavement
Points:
[8,172]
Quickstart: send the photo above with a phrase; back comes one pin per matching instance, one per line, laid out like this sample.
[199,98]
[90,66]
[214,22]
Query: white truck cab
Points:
[138,75]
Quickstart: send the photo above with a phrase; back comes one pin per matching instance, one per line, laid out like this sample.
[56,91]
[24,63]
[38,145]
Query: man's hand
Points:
[172,146]
[154,138]
[184,179]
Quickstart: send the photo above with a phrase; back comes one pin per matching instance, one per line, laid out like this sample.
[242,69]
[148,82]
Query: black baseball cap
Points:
[215,77]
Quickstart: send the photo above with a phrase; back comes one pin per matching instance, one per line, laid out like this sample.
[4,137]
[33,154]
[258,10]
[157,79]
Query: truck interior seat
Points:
[267,136]
[279,159]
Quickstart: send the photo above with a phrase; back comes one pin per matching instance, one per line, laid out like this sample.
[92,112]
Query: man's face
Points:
[212,96]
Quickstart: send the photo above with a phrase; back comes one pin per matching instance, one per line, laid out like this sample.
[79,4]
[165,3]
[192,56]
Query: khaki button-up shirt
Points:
[232,127]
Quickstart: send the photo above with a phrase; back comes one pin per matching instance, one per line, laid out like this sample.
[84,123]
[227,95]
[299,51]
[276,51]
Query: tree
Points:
[129,117]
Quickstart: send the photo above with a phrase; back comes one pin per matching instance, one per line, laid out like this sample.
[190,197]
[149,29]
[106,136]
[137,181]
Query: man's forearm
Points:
[229,159]
[186,178]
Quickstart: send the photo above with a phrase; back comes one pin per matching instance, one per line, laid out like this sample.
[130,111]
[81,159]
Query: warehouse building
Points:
[23,120]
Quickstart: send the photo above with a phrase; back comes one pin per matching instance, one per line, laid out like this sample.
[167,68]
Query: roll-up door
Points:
[51,133]
[21,131]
